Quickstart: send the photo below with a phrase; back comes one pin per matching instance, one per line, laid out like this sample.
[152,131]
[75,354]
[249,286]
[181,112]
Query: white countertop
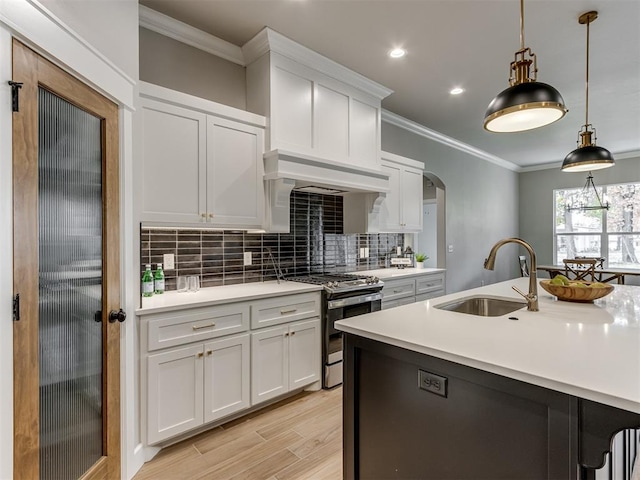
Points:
[173,300]
[587,350]
[391,273]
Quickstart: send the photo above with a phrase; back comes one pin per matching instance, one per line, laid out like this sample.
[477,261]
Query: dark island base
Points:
[477,426]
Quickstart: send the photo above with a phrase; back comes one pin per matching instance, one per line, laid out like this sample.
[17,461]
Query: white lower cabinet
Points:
[284,358]
[190,386]
[205,364]
[226,376]
[411,289]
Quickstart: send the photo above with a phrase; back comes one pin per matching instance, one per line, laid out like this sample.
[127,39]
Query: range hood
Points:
[285,171]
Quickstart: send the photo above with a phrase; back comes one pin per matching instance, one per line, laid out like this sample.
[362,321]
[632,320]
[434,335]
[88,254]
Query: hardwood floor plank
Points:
[331,433]
[224,443]
[178,462]
[274,416]
[268,466]
[250,457]
[301,438]
[307,467]
[294,418]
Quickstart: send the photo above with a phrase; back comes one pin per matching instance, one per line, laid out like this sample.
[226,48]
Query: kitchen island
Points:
[430,393]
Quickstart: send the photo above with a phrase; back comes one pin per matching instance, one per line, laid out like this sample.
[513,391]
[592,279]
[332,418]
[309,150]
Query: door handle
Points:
[118,315]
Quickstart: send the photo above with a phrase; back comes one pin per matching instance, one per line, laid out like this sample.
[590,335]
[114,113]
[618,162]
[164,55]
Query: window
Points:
[612,234]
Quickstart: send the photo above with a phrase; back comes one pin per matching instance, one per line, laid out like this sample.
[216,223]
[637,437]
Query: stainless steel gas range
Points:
[343,296]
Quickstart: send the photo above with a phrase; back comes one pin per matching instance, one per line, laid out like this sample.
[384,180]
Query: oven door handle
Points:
[344,302]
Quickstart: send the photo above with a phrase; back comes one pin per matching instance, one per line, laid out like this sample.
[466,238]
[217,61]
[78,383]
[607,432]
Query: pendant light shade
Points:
[587,156]
[527,103]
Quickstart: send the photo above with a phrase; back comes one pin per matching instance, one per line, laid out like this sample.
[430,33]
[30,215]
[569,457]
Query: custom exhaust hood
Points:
[323,124]
[321,175]
[286,171]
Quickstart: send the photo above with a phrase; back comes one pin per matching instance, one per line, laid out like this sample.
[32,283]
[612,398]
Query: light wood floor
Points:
[298,438]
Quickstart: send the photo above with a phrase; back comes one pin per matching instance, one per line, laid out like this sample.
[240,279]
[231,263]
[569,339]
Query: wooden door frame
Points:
[34,71]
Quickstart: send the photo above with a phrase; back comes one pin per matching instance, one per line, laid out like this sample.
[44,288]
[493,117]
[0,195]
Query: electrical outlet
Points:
[432,383]
[247,258]
[168,261]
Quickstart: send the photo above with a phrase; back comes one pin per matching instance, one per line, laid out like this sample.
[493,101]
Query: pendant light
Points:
[587,156]
[527,103]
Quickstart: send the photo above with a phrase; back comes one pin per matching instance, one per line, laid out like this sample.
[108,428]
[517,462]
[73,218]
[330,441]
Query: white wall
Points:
[110,26]
[536,199]
[98,42]
[481,207]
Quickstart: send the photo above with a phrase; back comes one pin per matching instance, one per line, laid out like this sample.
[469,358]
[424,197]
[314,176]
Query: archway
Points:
[432,239]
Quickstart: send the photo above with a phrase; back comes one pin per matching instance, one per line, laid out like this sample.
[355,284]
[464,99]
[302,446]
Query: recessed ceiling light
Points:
[456,91]
[397,53]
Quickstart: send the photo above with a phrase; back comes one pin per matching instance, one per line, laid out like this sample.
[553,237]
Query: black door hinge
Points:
[15,95]
[16,307]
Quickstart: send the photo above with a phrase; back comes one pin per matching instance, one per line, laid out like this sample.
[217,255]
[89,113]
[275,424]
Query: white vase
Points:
[419,264]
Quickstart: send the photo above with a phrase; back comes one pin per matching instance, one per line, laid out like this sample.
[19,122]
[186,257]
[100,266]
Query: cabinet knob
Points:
[199,355]
[209,352]
[286,334]
[293,333]
[211,215]
[203,215]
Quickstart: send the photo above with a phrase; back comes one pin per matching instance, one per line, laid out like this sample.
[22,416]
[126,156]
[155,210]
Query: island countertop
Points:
[588,350]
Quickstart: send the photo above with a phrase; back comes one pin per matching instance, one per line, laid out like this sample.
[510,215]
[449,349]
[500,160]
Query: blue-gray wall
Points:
[481,207]
[536,199]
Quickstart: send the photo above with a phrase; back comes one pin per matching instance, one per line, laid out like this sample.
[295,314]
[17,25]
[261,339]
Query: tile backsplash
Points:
[315,244]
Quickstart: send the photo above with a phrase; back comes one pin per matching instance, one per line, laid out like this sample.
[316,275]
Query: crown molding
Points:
[269,40]
[413,127]
[172,28]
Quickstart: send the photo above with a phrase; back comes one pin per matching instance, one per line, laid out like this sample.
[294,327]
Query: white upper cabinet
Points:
[401,210]
[201,161]
[316,107]
[174,163]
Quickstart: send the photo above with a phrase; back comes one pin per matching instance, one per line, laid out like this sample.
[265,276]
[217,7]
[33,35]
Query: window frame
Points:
[604,234]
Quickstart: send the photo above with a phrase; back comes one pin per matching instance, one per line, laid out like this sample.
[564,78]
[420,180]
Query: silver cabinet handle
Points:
[284,312]
[200,327]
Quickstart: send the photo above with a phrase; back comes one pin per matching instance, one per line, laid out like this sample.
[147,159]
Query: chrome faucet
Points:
[532,296]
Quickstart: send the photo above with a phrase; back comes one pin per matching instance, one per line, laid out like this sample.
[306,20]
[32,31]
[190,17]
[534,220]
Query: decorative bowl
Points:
[570,293]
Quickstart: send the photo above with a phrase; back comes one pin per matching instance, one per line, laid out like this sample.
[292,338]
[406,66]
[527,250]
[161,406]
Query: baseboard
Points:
[141,454]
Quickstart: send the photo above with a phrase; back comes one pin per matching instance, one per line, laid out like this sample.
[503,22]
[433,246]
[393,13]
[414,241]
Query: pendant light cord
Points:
[586,100]
[522,25]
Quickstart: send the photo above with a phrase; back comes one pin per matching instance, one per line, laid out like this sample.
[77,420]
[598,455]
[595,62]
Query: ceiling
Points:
[467,43]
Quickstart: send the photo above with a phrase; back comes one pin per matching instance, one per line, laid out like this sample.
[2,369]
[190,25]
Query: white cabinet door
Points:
[411,201]
[174,392]
[304,353]
[269,363]
[235,192]
[226,376]
[173,163]
[390,216]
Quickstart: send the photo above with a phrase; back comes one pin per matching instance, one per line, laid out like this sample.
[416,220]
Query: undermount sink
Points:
[482,306]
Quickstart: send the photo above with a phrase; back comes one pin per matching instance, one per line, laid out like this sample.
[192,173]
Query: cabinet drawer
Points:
[275,311]
[178,328]
[394,289]
[430,283]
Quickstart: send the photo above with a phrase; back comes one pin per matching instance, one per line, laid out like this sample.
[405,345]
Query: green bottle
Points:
[158,281]
[147,281]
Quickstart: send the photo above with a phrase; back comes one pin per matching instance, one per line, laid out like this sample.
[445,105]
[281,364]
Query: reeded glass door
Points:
[70,287]
[66,259]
